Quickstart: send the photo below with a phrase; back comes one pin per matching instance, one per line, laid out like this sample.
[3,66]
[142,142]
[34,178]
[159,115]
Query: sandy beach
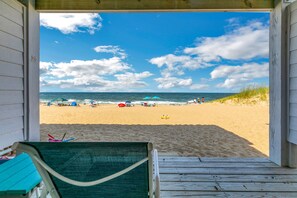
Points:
[211,129]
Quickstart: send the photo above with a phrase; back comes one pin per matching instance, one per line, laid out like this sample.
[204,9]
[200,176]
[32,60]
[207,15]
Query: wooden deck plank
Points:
[174,159]
[228,178]
[185,164]
[258,187]
[192,194]
[213,159]
[230,171]
[234,160]
[188,186]
[225,177]
[230,186]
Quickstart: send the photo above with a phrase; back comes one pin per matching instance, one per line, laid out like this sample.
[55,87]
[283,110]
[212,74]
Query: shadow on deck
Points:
[225,177]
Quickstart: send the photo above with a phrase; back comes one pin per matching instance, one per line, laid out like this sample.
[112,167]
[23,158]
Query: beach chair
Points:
[19,177]
[95,169]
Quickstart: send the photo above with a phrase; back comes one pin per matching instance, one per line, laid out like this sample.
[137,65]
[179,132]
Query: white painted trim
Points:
[288,68]
[25,73]
[151,169]
[278,145]
[156,178]
[32,97]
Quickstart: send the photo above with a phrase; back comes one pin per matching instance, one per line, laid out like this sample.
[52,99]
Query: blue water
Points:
[136,98]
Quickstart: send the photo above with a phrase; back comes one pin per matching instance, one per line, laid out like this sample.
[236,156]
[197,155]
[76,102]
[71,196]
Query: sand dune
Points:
[192,130]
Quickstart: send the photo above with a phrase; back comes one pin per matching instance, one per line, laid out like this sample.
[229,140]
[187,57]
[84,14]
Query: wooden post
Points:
[279,146]
[292,138]
[32,71]
[292,155]
[282,152]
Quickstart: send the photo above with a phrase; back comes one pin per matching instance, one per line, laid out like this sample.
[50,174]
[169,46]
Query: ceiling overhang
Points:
[152,5]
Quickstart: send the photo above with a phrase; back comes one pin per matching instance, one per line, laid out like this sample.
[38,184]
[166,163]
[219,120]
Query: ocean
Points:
[136,98]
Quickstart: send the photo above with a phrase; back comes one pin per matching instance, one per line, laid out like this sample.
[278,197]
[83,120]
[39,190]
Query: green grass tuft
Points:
[248,95]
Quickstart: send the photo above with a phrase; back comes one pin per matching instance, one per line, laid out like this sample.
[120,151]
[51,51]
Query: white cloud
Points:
[169,60]
[243,43]
[71,22]
[128,76]
[175,65]
[92,75]
[233,21]
[172,82]
[115,50]
[99,83]
[199,86]
[42,81]
[78,68]
[237,75]
[108,74]
[45,67]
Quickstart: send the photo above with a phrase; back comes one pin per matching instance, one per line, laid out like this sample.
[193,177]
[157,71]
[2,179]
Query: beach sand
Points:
[211,129]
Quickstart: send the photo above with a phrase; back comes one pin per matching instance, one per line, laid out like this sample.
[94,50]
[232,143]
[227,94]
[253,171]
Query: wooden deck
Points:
[225,177]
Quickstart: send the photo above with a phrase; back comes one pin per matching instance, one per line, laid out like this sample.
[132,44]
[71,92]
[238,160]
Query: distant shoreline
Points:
[136,98]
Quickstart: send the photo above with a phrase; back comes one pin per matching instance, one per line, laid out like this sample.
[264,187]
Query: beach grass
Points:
[248,95]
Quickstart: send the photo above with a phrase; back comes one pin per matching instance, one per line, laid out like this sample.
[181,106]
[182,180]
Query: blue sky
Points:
[153,52]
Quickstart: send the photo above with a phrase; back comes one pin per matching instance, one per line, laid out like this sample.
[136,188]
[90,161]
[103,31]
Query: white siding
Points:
[11,72]
[292,63]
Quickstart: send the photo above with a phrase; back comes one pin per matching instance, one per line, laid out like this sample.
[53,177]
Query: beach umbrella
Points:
[128,103]
[121,105]
[146,98]
[156,97]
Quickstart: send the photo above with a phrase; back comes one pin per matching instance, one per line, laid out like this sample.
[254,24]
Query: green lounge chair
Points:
[93,169]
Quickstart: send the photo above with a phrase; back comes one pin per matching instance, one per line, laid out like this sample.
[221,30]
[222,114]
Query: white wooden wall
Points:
[292,70]
[12,64]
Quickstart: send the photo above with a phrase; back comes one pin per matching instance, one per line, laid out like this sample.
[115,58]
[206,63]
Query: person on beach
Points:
[198,100]
[202,99]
